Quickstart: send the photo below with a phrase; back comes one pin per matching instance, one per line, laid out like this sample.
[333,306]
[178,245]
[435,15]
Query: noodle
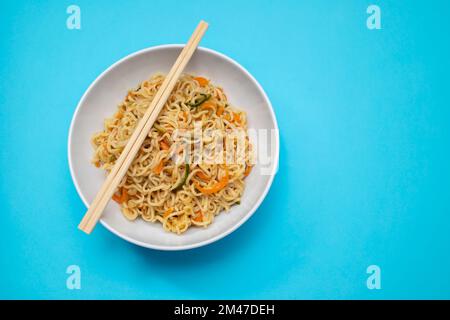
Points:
[169,181]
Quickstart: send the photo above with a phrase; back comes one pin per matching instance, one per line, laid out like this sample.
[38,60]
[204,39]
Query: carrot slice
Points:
[168,212]
[159,167]
[116,198]
[164,145]
[220,110]
[209,105]
[237,118]
[123,197]
[202,175]
[202,81]
[222,183]
[199,217]
[247,171]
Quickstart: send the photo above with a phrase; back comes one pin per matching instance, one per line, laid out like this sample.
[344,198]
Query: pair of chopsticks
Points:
[127,156]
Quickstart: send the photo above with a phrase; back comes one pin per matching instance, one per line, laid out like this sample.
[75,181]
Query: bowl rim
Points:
[225,232]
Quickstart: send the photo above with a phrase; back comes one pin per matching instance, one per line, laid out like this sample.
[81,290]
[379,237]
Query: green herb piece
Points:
[186,174]
[204,97]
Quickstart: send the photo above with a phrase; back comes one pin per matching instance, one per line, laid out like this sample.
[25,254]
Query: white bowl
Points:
[107,91]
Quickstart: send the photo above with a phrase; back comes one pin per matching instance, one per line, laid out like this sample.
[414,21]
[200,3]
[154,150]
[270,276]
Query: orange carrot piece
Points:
[237,118]
[223,182]
[220,110]
[202,81]
[199,217]
[123,197]
[209,105]
[202,175]
[164,145]
[159,167]
[168,212]
[247,171]
[116,198]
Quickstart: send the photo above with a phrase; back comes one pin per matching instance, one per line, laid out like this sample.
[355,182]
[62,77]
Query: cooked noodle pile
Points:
[160,187]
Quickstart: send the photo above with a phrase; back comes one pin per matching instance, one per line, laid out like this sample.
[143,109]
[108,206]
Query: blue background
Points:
[364,166]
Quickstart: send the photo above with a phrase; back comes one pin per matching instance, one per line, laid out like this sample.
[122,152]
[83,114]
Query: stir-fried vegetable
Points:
[202,81]
[168,212]
[220,110]
[247,171]
[237,118]
[222,183]
[202,175]
[164,145]
[159,167]
[123,197]
[199,217]
[209,105]
[183,181]
[203,98]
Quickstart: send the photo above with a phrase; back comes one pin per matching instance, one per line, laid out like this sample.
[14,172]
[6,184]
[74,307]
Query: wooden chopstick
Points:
[145,124]
[200,28]
[127,156]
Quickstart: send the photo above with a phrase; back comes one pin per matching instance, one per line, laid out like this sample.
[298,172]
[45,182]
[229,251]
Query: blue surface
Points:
[364,167]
